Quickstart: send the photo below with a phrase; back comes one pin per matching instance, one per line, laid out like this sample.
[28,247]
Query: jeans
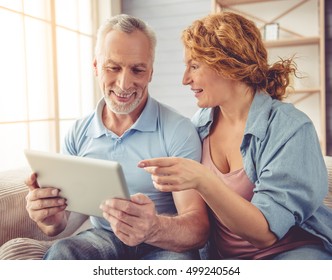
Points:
[307,252]
[100,244]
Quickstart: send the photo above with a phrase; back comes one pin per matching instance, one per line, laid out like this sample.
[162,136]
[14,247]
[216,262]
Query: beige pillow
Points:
[24,249]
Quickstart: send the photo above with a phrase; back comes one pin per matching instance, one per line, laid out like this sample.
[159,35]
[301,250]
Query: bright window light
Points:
[46,74]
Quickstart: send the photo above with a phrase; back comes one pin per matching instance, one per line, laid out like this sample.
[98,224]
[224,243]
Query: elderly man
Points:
[127,126]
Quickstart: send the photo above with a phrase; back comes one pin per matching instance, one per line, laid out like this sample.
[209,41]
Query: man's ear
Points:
[95,68]
[151,74]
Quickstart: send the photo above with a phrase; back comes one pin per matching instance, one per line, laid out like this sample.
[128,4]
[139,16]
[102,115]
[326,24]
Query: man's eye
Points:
[138,71]
[111,69]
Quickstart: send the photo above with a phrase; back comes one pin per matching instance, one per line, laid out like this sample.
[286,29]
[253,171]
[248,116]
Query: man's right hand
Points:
[46,207]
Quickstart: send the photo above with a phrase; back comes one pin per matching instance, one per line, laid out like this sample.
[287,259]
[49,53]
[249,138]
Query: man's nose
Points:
[124,80]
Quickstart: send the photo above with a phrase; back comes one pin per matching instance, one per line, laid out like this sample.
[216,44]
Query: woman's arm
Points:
[239,215]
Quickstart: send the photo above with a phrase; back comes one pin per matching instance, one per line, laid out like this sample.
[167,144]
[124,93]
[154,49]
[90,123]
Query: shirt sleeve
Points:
[183,141]
[68,144]
[291,180]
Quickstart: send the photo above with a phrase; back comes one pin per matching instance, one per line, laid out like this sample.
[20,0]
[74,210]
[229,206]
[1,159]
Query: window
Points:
[46,73]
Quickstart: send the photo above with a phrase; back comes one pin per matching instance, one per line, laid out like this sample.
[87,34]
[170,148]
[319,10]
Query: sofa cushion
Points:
[24,249]
[14,219]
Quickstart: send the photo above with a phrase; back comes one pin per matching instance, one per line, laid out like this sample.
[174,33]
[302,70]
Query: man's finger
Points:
[31,182]
[140,198]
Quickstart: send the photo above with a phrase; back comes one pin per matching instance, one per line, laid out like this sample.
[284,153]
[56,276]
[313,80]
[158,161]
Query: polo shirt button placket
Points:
[118,149]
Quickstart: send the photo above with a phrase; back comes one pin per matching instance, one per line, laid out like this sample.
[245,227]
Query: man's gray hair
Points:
[128,24]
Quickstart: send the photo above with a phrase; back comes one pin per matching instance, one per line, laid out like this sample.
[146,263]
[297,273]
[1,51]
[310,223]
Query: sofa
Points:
[21,239]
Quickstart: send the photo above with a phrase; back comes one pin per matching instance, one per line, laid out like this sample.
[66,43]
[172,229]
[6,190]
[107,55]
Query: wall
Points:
[103,9]
[168,18]
[328,57]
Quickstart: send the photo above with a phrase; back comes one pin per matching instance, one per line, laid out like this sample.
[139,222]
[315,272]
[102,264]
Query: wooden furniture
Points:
[300,33]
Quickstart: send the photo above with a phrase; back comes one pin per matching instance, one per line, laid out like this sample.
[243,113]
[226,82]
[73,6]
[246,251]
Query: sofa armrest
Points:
[14,219]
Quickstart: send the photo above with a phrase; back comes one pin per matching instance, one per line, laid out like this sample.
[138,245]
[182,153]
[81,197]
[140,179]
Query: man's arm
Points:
[189,229]
[136,221]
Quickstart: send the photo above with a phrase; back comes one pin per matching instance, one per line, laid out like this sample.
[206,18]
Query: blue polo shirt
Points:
[158,132]
[282,156]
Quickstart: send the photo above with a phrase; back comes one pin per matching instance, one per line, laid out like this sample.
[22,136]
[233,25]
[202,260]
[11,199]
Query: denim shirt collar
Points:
[258,117]
[257,122]
[203,120]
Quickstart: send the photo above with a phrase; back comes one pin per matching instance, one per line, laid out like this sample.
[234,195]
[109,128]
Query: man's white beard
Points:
[122,108]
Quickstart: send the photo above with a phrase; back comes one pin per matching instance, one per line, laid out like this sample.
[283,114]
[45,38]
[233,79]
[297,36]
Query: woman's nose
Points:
[186,80]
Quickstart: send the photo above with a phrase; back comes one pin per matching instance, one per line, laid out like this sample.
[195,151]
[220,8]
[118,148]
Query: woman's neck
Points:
[238,108]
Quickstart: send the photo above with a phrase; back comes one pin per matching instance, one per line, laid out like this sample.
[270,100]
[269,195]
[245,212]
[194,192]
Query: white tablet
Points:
[84,182]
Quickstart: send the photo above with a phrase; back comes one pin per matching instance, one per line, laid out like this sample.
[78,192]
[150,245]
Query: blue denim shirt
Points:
[282,157]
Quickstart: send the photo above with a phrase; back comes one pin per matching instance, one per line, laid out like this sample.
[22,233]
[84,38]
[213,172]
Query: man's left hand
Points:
[133,221]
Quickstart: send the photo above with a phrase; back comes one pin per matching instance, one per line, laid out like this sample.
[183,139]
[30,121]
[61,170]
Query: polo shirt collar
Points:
[147,121]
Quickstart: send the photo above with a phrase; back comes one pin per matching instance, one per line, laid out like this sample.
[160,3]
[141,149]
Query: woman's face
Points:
[210,89]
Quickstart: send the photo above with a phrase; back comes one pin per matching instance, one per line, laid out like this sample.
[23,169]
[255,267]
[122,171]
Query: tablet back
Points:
[84,182]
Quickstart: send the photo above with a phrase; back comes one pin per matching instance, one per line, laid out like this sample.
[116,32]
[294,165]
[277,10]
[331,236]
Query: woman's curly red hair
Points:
[232,45]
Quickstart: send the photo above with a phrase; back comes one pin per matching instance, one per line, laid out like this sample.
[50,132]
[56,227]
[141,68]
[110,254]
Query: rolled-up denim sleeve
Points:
[291,180]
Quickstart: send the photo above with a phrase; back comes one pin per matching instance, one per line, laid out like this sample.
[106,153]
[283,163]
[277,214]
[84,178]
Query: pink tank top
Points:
[230,245]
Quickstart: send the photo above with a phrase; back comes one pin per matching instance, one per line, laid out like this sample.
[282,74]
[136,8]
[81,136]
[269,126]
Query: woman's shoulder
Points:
[288,113]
